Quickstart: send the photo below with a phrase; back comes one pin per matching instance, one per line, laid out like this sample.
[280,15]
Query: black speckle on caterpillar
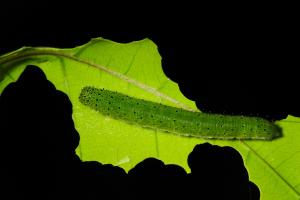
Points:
[175,120]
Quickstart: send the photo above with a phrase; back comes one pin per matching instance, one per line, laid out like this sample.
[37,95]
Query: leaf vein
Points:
[52,52]
[272,169]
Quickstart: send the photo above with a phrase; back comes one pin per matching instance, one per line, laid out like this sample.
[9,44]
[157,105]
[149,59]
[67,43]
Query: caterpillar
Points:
[175,120]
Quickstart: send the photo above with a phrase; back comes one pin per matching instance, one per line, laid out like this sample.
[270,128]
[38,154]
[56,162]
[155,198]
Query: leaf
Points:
[135,69]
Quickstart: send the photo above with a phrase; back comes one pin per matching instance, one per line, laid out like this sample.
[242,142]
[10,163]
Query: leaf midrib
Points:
[28,52]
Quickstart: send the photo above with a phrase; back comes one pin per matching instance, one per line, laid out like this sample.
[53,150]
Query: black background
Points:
[232,59]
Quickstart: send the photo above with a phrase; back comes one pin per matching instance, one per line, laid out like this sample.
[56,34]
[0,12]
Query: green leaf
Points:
[135,69]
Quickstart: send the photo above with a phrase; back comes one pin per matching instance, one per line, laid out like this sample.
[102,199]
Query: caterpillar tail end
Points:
[275,133]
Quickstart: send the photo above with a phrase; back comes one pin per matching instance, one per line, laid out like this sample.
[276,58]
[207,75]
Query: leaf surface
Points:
[135,69]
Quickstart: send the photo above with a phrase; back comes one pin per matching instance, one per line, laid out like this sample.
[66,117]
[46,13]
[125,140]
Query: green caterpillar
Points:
[174,120]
